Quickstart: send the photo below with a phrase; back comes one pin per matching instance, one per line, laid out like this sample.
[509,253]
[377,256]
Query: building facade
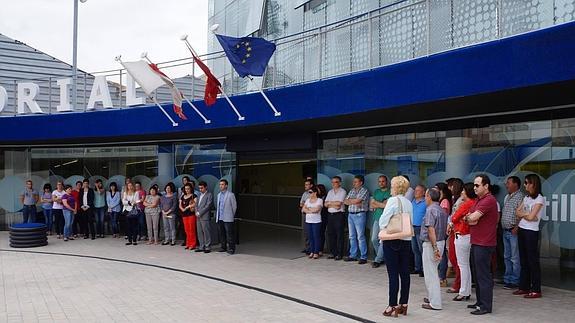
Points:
[431,89]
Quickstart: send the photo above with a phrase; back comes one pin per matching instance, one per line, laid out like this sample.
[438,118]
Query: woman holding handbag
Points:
[393,223]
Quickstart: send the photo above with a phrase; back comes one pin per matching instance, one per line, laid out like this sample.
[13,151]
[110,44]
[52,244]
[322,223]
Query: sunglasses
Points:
[310,192]
[476,185]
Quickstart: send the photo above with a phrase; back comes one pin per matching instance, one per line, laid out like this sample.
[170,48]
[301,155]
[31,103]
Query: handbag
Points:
[398,227]
[133,212]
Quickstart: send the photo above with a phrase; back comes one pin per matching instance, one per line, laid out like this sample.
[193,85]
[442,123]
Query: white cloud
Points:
[107,28]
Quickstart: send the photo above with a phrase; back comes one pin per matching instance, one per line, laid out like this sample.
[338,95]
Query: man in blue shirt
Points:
[419,208]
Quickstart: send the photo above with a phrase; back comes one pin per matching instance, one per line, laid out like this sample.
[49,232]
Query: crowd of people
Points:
[92,212]
[453,223]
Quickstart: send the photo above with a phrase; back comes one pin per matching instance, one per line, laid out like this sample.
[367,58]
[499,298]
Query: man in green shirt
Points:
[376,204]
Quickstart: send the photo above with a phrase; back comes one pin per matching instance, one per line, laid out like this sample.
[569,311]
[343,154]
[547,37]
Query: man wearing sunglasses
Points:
[482,220]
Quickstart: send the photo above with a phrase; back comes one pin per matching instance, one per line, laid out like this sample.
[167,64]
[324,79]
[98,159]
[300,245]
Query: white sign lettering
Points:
[3,98]
[27,93]
[100,93]
[64,85]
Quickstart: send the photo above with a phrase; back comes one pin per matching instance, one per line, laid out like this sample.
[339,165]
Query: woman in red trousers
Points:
[188,212]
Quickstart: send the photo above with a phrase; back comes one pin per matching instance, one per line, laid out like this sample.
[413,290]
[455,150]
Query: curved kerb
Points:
[221,280]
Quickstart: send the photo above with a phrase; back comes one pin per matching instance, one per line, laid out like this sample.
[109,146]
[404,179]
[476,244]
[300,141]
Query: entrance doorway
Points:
[269,187]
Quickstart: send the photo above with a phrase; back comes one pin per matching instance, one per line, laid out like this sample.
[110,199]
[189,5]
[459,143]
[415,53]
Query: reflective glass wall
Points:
[148,164]
[324,38]
[546,148]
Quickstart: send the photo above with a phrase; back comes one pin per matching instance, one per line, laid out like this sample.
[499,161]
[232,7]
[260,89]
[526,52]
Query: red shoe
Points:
[520,292]
[533,295]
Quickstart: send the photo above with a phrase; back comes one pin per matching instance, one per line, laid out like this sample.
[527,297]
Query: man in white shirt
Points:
[336,218]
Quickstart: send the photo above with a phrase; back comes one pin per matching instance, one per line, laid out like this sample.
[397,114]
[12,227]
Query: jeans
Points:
[462,250]
[529,254]
[430,272]
[417,248]
[114,221]
[356,225]
[314,234]
[29,213]
[48,219]
[99,213]
[397,254]
[377,246]
[227,236]
[335,233]
[68,220]
[482,264]
[511,258]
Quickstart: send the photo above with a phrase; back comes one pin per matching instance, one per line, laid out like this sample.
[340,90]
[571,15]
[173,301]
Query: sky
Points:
[107,28]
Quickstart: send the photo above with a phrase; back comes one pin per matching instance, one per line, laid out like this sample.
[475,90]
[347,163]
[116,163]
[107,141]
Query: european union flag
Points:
[248,55]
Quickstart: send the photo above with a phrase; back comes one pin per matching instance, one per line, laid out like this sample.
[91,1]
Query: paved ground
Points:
[55,287]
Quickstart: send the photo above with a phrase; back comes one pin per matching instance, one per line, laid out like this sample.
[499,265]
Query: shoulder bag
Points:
[399,225]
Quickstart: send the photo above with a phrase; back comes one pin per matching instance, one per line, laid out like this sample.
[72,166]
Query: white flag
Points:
[149,76]
[144,75]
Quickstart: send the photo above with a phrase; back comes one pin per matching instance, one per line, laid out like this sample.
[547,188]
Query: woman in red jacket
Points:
[463,241]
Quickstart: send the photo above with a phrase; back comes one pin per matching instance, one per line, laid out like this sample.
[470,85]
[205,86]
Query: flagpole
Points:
[206,120]
[191,49]
[174,123]
[276,112]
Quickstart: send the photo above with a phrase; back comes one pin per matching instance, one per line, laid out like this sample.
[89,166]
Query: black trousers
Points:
[227,235]
[530,278]
[397,259]
[180,231]
[335,233]
[323,229]
[76,226]
[482,263]
[58,220]
[132,228]
[86,219]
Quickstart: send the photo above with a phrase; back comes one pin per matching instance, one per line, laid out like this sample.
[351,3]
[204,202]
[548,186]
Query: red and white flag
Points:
[149,77]
[212,84]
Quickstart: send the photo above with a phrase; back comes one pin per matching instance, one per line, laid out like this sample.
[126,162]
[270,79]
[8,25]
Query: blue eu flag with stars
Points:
[248,55]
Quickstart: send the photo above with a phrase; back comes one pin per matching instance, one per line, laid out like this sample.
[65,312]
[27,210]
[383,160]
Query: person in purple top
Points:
[69,211]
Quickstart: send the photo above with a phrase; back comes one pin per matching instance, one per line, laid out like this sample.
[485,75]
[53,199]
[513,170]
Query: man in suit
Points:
[203,207]
[225,212]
